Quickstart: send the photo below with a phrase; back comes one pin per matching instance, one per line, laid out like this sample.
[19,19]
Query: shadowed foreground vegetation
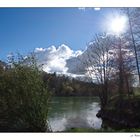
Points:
[121,113]
[23,99]
[102,130]
[25,94]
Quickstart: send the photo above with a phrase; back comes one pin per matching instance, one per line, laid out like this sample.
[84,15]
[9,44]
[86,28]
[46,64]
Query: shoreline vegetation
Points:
[28,112]
[121,113]
[102,130]
[24,98]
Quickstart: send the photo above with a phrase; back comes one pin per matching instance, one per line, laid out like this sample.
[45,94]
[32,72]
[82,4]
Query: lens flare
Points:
[118,24]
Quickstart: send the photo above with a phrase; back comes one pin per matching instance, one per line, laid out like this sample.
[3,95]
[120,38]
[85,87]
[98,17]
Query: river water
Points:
[71,112]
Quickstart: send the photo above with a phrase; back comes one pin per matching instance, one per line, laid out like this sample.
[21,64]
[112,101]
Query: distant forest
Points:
[66,86]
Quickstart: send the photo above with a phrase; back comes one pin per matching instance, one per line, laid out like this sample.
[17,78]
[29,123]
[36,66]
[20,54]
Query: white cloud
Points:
[88,8]
[39,49]
[97,9]
[77,53]
[82,8]
[10,55]
[54,59]
[64,51]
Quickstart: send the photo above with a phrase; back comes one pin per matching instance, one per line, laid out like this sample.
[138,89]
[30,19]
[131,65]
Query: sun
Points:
[118,24]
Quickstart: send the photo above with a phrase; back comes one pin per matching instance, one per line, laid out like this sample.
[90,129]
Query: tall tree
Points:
[98,64]
[123,64]
[133,33]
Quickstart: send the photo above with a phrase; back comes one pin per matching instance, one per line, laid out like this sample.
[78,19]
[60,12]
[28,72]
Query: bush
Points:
[23,99]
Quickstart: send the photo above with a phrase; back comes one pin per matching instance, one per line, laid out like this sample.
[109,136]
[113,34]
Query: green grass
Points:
[137,91]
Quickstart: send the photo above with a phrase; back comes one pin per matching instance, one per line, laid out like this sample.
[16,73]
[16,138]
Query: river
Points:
[71,112]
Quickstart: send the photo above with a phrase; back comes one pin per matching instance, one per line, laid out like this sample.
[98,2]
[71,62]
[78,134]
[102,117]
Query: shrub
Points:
[23,99]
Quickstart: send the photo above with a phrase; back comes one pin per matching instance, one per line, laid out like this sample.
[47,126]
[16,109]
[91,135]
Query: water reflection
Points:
[67,112]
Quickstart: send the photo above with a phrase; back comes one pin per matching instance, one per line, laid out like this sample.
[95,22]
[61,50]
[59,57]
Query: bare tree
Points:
[99,64]
[124,65]
[133,33]
[107,59]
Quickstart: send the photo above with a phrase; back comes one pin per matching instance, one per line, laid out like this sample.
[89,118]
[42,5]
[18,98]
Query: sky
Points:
[24,29]
[57,36]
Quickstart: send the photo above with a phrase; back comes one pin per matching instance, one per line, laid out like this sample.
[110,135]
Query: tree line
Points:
[61,85]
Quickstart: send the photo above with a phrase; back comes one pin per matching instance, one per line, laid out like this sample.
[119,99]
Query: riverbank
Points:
[121,113]
[101,130]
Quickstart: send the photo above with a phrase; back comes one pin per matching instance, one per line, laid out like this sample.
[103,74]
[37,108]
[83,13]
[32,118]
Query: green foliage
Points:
[23,99]
[137,91]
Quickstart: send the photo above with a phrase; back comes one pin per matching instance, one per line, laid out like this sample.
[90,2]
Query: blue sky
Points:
[24,29]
